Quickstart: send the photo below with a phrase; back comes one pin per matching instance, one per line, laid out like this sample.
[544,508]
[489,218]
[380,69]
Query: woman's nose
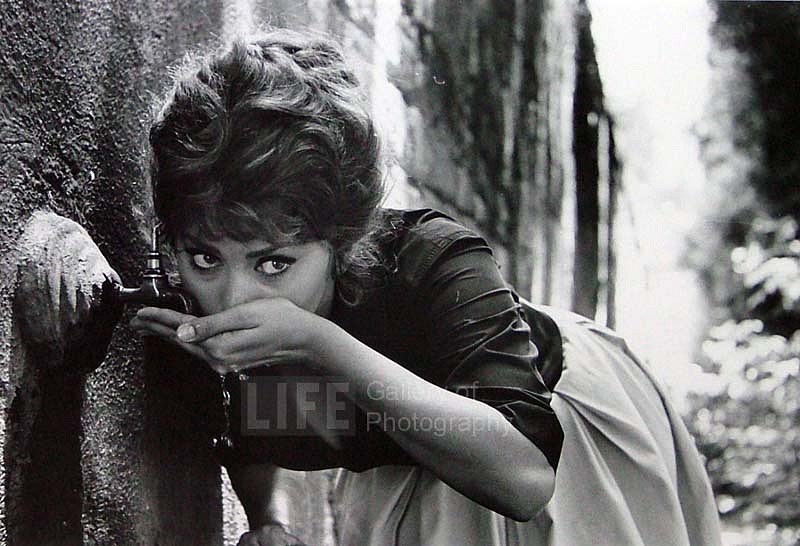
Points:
[242,288]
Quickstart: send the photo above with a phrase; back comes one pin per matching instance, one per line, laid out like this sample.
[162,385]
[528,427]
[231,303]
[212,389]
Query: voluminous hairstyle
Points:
[270,138]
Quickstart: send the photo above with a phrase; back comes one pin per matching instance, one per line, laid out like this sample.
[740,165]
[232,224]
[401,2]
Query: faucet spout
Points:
[155,290]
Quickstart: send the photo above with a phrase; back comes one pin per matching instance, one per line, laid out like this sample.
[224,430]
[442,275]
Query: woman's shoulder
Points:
[422,236]
[423,222]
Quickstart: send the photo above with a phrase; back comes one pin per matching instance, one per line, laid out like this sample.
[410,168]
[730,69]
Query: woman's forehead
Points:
[254,247]
[204,236]
[214,229]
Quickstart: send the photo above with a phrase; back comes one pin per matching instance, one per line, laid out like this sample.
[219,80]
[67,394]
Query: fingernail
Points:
[186,332]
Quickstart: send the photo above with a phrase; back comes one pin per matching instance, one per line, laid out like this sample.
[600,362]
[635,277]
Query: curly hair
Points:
[271,138]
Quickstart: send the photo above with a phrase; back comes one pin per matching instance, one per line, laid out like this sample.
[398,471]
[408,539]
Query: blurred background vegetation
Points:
[747,252]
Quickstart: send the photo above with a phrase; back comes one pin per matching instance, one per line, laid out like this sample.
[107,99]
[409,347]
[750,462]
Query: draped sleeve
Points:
[479,341]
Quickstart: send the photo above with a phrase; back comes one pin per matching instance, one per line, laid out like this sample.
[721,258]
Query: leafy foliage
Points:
[745,420]
[745,423]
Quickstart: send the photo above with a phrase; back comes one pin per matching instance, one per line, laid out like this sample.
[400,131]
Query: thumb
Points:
[203,328]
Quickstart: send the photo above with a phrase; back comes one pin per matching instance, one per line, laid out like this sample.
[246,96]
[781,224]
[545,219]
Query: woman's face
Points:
[223,273]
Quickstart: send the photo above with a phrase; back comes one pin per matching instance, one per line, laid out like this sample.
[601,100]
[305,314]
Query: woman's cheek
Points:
[200,291]
[319,301]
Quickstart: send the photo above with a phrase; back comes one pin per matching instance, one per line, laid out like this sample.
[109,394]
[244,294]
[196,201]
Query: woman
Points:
[266,181]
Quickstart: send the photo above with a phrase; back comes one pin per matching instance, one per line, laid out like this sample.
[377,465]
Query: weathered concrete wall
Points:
[496,94]
[85,459]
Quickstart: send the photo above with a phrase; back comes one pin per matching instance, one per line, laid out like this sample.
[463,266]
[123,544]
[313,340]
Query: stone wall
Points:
[85,458]
[476,100]
[504,111]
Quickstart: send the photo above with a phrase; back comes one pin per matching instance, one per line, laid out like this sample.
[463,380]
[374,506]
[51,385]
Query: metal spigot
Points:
[155,290]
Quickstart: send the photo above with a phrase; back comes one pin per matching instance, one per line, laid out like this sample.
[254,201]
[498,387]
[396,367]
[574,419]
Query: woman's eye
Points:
[274,266]
[205,261]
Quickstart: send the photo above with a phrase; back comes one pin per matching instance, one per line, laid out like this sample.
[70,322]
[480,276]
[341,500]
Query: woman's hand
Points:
[261,332]
[271,534]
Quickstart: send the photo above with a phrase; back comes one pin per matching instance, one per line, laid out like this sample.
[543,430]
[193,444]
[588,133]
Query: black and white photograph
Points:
[400,273]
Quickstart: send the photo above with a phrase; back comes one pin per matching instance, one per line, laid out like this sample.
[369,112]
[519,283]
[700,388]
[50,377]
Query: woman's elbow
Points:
[532,494]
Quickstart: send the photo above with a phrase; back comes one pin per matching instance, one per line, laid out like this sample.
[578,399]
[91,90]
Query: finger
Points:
[259,538]
[113,277]
[275,535]
[249,357]
[242,349]
[168,334]
[164,316]
[200,329]
[154,328]
[237,346]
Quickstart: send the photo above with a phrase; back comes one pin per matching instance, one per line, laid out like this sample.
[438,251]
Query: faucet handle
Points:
[156,290]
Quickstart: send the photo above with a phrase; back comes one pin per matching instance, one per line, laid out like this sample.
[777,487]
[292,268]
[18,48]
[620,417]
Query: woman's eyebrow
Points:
[260,252]
[191,241]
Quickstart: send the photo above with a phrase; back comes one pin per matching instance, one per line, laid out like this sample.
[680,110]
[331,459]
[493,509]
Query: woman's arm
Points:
[254,484]
[476,450]
[491,461]
[267,501]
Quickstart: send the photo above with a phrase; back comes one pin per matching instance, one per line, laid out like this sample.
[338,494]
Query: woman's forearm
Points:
[254,485]
[466,443]
[270,495]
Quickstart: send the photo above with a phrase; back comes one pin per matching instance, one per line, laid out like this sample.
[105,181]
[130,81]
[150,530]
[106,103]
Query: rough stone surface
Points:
[61,273]
[477,79]
[76,81]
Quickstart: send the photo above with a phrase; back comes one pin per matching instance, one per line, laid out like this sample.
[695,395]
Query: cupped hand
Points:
[269,535]
[261,332]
